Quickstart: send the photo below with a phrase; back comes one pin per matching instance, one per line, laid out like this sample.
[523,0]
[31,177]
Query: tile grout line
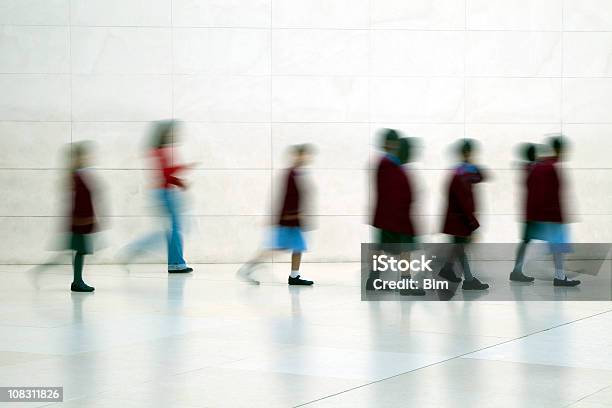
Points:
[562,79]
[465,49]
[70,75]
[454,358]
[271,139]
[305,28]
[370,177]
[229,215]
[172,118]
[587,396]
[316,122]
[293,75]
[263,169]
[281,262]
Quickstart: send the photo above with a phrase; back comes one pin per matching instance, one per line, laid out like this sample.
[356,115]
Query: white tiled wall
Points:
[250,77]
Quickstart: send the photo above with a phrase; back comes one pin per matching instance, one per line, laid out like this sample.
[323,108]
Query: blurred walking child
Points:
[394,199]
[168,192]
[288,233]
[82,217]
[530,161]
[460,221]
[545,211]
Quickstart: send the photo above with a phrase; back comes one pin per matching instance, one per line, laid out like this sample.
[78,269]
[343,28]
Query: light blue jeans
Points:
[170,200]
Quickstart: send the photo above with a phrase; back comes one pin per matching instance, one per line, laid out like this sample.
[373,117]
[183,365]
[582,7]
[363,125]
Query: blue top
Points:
[467,168]
[393,158]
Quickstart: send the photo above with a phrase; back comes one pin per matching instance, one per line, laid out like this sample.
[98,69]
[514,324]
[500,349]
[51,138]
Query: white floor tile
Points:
[147,339]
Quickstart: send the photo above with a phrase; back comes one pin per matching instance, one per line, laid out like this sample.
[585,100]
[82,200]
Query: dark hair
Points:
[388,135]
[301,149]
[405,148]
[162,130]
[558,143]
[466,146]
[529,152]
[78,150]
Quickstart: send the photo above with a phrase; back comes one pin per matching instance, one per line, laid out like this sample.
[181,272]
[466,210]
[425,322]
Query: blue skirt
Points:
[290,238]
[556,234]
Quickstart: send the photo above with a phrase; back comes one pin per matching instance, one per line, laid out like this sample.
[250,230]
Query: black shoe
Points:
[449,275]
[81,287]
[299,281]
[520,277]
[474,284]
[566,282]
[412,292]
[184,270]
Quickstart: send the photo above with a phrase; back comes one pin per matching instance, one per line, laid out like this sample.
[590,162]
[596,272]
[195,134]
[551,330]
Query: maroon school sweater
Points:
[393,198]
[83,217]
[290,211]
[544,192]
[460,219]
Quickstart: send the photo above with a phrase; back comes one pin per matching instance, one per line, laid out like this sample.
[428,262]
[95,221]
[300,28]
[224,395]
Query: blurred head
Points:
[302,154]
[164,133]
[81,154]
[558,145]
[403,152]
[466,148]
[529,152]
[389,140]
[407,149]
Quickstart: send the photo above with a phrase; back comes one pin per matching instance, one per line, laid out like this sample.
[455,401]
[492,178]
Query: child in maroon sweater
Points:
[460,221]
[288,233]
[531,161]
[545,218]
[394,199]
[82,216]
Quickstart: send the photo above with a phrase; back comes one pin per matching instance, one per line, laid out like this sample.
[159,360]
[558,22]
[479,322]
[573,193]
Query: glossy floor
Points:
[146,339]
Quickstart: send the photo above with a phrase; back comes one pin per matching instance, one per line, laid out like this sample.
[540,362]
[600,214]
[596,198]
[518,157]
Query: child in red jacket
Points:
[460,221]
[168,190]
[82,216]
[288,232]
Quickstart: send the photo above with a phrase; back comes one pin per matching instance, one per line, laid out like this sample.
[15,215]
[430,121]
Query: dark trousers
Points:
[457,253]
